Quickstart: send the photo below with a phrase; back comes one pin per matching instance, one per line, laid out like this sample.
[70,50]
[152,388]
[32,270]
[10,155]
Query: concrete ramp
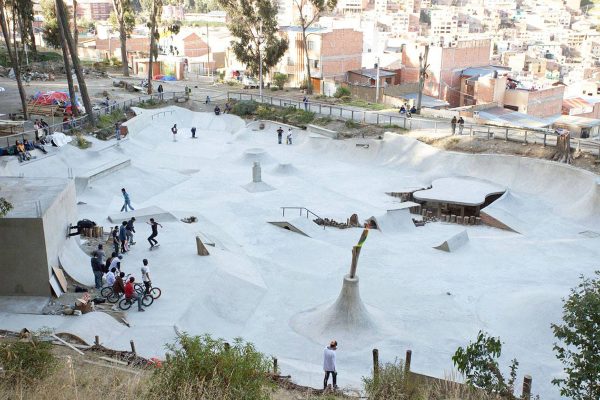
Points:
[76,263]
[398,220]
[301,225]
[454,243]
[503,213]
[143,214]
[288,226]
[83,180]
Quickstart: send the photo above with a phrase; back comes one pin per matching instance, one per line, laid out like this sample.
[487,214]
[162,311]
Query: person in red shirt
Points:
[131,294]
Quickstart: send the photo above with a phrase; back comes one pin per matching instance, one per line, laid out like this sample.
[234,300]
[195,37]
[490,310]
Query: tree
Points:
[254,25]
[12,56]
[310,11]
[5,207]
[65,53]
[479,363]
[126,23]
[154,36]
[579,350]
[75,28]
[280,80]
[51,33]
[62,20]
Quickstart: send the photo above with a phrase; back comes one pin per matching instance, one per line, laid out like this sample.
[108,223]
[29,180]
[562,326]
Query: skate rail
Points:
[301,209]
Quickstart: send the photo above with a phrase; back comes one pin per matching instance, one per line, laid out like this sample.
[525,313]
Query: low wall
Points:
[323,131]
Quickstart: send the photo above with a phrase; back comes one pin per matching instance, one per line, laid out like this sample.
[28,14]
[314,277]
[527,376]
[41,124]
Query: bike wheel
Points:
[125,304]
[155,293]
[112,297]
[106,291]
[139,288]
[147,300]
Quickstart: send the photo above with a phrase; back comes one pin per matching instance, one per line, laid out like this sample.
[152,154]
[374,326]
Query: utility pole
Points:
[377,81]
[207,54]
[422,72]
[260,66]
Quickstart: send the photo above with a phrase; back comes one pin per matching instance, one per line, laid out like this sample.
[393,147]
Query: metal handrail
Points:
[301,209]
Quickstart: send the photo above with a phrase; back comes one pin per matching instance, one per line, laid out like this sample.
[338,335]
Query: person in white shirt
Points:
[116,262]
[146,276]
[329,364]
[110,277]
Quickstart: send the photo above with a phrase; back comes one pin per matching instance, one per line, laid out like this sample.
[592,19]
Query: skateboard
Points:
[154,247]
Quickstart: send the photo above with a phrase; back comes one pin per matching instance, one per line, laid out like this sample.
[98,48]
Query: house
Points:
[331,53]
[368,77]
[483,85]
[588,107]
[541,103]
[94,10]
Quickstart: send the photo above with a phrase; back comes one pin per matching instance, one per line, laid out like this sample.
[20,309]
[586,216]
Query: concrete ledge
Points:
[142,214]
[107,169]
[322,131]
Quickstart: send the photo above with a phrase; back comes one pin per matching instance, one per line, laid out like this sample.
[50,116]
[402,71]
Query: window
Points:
[290,62]
[315,63]
[310,45]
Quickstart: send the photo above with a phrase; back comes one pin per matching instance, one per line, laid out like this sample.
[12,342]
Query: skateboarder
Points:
[288,139]
[193,132]
[279,135]
[174,130]
[329,364]
[151,239]
[126,201]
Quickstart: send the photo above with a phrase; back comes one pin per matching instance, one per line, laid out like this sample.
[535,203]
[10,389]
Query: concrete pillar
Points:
[459,219]
[472,220]
[477,221]
[526,387]
[453,218]
[256,172]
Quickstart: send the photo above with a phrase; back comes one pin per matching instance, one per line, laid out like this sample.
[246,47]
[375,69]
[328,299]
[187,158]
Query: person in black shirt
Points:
[151,239]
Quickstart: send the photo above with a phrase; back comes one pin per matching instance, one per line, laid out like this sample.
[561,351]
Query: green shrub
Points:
[280,79]
[392,383]
[351,124]
[274,88]
[28,361]
[342,92]
[295,116]
[82,142]
[5,206]
[245,107]
[200,367]
[266,112]
[323,121]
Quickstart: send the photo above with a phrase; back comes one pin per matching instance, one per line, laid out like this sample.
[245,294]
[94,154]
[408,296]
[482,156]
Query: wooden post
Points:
[132,347]
[355,254]
[375,364]
[526,387]
[97,340]
[408,360]
[202,251]
[275,365]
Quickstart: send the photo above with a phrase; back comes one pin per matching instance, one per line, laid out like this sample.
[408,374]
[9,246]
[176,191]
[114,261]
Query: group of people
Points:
[123,235]
[288,139]
[227,109]
[461,125]
[110,273]
[404,110]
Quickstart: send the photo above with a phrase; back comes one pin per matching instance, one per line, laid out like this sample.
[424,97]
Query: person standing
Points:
[453,124]
[131,294]
[146,276]
[160,91]
[130,230]
[100,254]
[126,201]
[123,237]
[305,101]
[117,131]
[115,238]
[174,131]
[193,132]
[461,125]
[97,270]
[279,135]
[152,238]
[207,101]
[329,364]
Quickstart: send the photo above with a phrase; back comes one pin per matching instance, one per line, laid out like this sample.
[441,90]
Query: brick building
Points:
[331,52]
[446,64]
[536,102]
[94,10]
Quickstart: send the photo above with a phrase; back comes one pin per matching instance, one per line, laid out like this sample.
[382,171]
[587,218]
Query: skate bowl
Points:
[347,319]
[285,169]
[454,243]
[143,214]
[76,263]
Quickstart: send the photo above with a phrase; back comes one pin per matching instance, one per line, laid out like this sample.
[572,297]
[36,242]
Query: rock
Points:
[68,311]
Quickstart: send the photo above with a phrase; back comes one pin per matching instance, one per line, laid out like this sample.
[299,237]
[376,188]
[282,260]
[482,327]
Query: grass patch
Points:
[288,115]
[364,104]
[82,142]
[109,120]
[351,124]
[26,361]
[322,121]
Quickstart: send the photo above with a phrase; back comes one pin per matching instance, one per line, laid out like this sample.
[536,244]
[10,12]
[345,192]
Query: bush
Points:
[323,121]
[392,383]
[479,363]
[245,107]
[266,112]
[342,92]
[295,116]
[580,341]
[28,361]
[200,367]
[274,88]
[82,142]
[280,79]
[351,124]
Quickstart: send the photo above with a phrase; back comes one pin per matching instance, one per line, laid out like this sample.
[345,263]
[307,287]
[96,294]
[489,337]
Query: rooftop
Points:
[372,73]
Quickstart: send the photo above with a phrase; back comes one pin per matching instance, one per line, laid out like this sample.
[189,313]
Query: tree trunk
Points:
[152,44]
[75,30]
[123,38]
[32,37]
[563,149]
[62,19]
[65,53]
[309,88]
[13,60]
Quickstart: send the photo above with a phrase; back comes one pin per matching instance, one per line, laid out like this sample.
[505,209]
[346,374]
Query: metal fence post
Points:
[319,108]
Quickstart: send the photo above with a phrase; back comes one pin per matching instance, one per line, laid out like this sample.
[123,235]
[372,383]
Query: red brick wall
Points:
[194,46]
[545,103]
[341,51]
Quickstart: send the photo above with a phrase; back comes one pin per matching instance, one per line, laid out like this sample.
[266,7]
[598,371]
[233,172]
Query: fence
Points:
[79,122]
[547,137]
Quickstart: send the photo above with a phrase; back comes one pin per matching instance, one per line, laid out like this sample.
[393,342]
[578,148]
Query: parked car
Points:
[249,82]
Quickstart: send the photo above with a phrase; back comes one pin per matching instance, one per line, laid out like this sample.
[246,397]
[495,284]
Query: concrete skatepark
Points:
[277,288]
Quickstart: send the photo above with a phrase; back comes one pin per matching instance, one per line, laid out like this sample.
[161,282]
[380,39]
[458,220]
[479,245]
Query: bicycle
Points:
[154,291]
[125,303]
